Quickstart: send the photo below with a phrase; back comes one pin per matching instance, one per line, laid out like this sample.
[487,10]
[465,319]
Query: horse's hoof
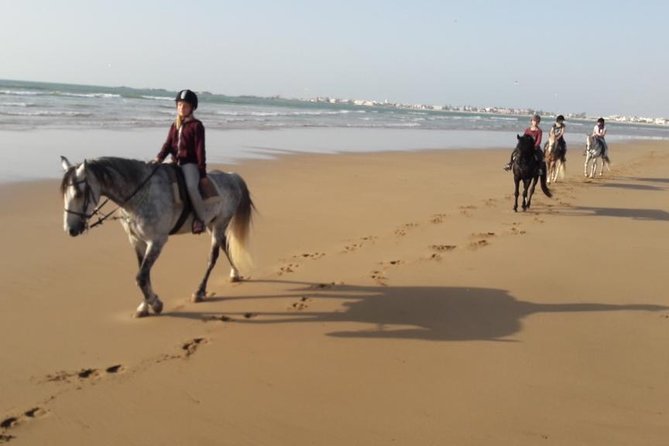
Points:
[235,279]
[157,306]
[198,297]
[141,313]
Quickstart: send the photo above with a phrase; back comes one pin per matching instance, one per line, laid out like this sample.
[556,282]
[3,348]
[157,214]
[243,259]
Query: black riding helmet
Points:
[187,96]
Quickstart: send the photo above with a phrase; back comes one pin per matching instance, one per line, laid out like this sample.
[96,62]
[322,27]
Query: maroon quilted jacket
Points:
[187,147]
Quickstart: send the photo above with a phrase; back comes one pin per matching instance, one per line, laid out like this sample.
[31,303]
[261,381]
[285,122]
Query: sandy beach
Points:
[396,298]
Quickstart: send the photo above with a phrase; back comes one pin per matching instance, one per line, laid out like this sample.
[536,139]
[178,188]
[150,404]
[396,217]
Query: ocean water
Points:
[45,118]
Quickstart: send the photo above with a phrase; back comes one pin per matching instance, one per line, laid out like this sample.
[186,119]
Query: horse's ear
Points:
[65,163]
[518,136]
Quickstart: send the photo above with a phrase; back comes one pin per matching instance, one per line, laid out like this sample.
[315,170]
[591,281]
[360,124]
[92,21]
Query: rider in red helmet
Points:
[185,142]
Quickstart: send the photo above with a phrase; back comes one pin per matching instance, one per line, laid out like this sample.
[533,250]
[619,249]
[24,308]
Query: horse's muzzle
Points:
[76,230]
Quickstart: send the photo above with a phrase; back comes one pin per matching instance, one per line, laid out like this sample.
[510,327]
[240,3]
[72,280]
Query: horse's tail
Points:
[237,232]
[544,185]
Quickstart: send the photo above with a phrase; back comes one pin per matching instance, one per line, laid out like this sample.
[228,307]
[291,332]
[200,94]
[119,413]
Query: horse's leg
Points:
[533,184]
[234,272]
[585,165]
[526,185]
[201,293]
[516,180]
[151,300]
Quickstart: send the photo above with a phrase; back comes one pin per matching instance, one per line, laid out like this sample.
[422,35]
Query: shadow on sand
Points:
[422,313]
[631,186]
[636,214]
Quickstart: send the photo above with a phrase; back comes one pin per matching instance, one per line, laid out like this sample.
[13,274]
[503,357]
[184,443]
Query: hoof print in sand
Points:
[467,210]
[9,422]
[437,218]
[310,255]
[379,277]
[515,229]
[323,286]
[351,247]
[83,374]
[482,239]
[301,304]
[13,421]
[286,269]
[402,231]
[443,248]
[191,347]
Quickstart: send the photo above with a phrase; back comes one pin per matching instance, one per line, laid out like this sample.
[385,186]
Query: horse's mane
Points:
[107,169]
[525,144]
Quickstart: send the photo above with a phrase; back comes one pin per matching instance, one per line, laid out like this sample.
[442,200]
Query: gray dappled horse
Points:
[526,169]
[149,214]
[594,150]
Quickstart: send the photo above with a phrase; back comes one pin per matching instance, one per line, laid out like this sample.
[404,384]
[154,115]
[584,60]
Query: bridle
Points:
[88,197]
[97,211]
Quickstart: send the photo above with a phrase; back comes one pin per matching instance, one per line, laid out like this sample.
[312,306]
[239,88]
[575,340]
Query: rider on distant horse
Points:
[185,142]
[557,131]
[599,132]
[536,133]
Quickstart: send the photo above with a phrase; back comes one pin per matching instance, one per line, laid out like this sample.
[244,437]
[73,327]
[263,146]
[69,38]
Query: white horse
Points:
[150,213]
[594,150]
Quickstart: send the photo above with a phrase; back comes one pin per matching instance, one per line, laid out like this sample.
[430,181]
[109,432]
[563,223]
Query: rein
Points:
[98,208]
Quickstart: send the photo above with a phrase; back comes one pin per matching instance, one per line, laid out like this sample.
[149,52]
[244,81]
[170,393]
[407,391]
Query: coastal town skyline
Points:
[499,110]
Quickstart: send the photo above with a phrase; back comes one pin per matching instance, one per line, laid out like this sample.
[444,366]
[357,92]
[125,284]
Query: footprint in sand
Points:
[286,269]
[437,218]
[443,248]
[392,262]
[467,210]
[14,420]
[83,374]
[516,229]
[191,346]
[351,247]
[379,277]
[482,239]
[322,286]
[301,304]
[438,250]
[402,231]
[310,255]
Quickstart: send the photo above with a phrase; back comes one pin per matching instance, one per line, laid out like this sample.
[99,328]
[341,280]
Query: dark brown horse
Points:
[526,167]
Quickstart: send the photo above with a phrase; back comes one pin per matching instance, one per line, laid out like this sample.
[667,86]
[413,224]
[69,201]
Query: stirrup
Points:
[198,226]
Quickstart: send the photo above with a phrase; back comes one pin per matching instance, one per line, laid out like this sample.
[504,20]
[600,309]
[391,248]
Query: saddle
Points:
[208,191]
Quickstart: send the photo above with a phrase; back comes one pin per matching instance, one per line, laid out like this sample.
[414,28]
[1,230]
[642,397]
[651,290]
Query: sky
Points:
[602,58]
